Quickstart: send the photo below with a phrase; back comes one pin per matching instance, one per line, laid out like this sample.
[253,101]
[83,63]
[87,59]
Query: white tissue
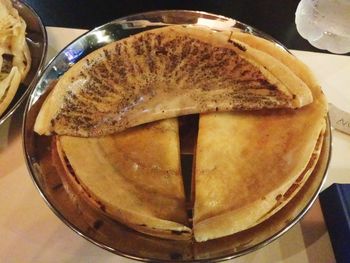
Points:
[325,24]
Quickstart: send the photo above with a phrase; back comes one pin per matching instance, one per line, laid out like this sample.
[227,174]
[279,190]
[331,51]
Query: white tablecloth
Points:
[30,232]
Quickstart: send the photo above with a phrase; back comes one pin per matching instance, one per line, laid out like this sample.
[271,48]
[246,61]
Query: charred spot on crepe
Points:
[175,256]
[177,232]
[237,45]
[98,224]
[57,187]
[7,63]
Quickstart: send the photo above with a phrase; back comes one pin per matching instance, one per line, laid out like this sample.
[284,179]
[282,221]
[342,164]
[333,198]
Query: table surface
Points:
[30,232]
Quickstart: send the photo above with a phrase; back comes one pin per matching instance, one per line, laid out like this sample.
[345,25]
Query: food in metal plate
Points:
[133,176]
[15,57]
[262,119]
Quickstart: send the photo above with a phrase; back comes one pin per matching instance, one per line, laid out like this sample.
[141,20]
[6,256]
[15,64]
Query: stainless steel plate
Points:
[37,42]
[111,235]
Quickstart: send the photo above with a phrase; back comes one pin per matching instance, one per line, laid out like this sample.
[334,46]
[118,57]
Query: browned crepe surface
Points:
[134,177]
[163,73]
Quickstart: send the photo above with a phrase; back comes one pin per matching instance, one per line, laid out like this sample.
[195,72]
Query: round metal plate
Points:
[111,235]
[37,41]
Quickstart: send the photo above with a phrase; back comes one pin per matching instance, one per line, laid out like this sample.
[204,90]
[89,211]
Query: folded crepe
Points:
[133,177]
[248,165]
[15,57]
[163,73]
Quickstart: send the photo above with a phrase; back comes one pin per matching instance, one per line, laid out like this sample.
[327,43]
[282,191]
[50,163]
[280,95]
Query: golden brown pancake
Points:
[250,164]
[245,165]
[133,177]
[163,73]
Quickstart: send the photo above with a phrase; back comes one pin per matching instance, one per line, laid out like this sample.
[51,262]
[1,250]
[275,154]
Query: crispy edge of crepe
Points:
[231,222]
[154,226]
[272,69]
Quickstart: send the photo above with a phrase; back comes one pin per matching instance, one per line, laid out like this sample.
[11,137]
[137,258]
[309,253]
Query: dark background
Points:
[274,17]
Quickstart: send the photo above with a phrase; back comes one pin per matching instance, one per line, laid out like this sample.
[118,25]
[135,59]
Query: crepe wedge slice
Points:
[133,177]
[163,73]
[267,156]
[248,166]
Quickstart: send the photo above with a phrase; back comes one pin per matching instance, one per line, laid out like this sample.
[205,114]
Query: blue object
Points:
[335,204]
